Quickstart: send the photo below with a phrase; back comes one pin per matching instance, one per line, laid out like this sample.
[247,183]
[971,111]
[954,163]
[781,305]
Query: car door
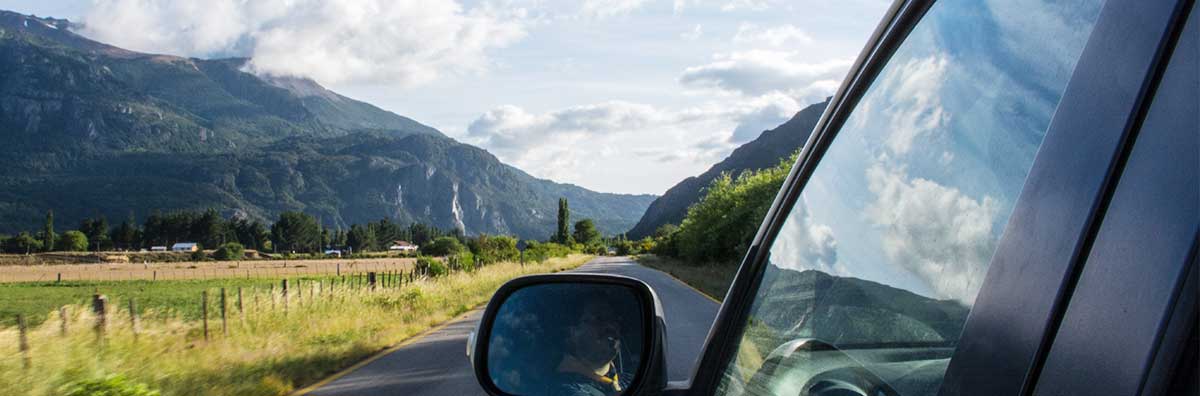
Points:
[930,237]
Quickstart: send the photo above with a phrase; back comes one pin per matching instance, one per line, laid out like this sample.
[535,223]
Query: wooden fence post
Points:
[224,315]
[100,308]
[23,343]
[204,312]
[284,285]
[339,269]
[155,278]
[133,320]
[62,324]
[59,278]
[371,281]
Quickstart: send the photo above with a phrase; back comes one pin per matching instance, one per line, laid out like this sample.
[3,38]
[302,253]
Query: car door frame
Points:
[1040,254]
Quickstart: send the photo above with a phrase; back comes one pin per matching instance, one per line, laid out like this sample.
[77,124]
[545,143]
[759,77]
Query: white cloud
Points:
[938,233]
[914,107]
[579,143]
[758,72]
[608,8]
[693,34]
[753,5]
[778,36]
[406,42]
[805,244]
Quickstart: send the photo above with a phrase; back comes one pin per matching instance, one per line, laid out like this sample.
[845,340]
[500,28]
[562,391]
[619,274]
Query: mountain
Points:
[763,152]
[91,129]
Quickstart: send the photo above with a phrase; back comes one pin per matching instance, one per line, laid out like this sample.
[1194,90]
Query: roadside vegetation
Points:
[705,249]
[273,345]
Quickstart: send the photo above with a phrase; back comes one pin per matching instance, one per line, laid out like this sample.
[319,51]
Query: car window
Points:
[877,265]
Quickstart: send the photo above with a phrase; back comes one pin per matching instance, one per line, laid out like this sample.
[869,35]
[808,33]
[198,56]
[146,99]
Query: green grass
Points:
[268,351]
[712,279]
[37,300]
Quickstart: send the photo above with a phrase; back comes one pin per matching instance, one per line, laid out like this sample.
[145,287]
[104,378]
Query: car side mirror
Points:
[574,334]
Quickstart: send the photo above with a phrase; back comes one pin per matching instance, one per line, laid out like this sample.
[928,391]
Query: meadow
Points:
[271,346]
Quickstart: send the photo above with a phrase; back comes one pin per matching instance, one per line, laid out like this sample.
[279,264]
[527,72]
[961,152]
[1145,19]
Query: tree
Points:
[23,243]
[360,239]
[96,231]
[125,235]
[586,233]
[721,226]
[296,232]
[230,251]
[208,228]
[72,241]
[251,234]
[563,234]
[48,231]
[443,246]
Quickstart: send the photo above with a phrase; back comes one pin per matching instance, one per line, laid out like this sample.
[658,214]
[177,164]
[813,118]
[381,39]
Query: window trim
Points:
[1098,164]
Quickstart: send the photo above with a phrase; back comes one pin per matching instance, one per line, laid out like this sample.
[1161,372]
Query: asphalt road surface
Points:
[437,363]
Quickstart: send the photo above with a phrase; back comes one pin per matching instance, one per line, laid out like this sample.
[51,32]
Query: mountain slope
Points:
[763,152]
[91,129]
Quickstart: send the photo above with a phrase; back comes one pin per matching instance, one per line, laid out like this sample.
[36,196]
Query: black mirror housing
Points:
[551,306]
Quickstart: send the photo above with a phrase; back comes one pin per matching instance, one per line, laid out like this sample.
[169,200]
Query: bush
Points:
[199,256]
[465,261]
[71,241]
[443,246]
[431,266]
[494,249]
[542,251]
[721,226]
[113,385]
[230,251]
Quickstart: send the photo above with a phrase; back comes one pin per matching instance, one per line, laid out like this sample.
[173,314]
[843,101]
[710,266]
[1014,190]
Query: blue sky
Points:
[615,95]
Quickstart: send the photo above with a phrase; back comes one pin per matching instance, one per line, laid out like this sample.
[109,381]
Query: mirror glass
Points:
[567,339]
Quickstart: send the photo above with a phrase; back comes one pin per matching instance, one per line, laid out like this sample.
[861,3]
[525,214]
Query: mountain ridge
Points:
[765,151]
[94,129]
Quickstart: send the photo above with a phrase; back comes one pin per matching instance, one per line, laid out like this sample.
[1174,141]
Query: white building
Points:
[403,247]
[185,247]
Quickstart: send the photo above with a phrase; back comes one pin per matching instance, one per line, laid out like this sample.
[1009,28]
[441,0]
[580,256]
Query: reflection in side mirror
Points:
[558,337]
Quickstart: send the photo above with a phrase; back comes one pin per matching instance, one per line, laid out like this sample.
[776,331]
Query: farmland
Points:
[190,270]
[273,344]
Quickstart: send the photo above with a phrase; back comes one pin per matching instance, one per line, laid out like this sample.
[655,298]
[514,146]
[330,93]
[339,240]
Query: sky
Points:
[627,96]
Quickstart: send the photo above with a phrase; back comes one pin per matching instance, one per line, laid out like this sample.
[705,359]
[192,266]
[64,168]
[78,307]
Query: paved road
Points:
[437,363]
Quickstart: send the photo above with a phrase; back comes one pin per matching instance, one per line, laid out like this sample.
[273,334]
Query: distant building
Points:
[333,252]
[185,247]
[158,248]
[403,247]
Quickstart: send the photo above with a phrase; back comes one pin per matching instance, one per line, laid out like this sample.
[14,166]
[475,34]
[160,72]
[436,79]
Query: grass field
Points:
[198,269]
[712,279]
[268,350]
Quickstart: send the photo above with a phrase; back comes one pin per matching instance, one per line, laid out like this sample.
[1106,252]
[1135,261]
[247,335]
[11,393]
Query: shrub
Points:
[542,251]
[113,385]
[494,249]
[443,246]
[199,256]
[721,226]
[71,241]
[230,251]
[431,266]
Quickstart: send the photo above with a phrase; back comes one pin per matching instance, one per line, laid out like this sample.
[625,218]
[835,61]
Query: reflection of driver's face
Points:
[596,337]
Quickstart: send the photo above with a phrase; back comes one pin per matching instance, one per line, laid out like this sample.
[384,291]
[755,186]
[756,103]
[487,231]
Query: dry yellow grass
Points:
[198,270]
[267,351]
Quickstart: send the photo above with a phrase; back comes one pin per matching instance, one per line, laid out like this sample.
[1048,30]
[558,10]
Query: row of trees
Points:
[291,232]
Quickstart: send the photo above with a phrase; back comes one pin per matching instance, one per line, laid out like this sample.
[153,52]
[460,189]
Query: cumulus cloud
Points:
[758,72]
[915,108]
[404,41]
[776,36]
[624,137]
[938,233]
[805,244]
[608,8]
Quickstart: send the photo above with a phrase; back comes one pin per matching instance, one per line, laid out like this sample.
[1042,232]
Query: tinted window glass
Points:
[878,264]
